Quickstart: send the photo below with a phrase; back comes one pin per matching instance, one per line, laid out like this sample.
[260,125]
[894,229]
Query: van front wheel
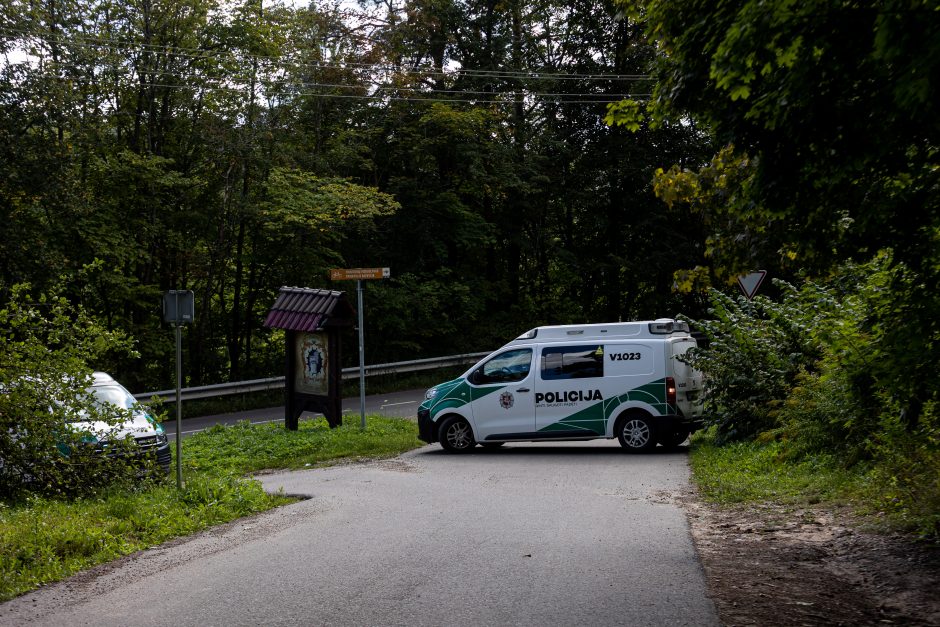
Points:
[636,433]
[456,435]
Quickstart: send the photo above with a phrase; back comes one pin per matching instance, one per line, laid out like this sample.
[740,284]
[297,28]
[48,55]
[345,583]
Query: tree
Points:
[826,112]
[830,101]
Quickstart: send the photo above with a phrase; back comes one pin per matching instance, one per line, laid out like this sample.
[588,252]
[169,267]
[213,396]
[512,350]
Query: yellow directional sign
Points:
[359,274]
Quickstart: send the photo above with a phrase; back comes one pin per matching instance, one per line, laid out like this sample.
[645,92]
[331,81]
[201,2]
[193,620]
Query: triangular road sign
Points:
[750,282]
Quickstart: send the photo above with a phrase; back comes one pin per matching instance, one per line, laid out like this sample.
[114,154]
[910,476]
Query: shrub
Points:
[44,343]
[839,369]
[755,351]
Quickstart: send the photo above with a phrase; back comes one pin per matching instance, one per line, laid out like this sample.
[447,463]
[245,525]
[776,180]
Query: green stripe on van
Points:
[459,395]
[594,419]
[590,419]
[653,393]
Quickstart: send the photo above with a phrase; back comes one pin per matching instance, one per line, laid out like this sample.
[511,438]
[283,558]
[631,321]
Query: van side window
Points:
[507,367]
[572,362]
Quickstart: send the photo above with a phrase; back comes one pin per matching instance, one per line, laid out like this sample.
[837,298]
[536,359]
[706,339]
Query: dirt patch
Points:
[776,565]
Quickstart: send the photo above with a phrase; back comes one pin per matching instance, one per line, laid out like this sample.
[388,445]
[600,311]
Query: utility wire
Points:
[201,54]
[508,98]
[266,82]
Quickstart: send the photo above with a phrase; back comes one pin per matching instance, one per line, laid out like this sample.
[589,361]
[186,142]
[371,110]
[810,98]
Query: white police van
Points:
[573,382]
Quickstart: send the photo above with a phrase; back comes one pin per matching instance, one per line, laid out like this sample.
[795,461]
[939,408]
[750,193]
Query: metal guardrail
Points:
[274,383]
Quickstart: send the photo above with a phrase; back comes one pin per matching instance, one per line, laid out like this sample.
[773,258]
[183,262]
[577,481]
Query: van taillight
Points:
[670,391]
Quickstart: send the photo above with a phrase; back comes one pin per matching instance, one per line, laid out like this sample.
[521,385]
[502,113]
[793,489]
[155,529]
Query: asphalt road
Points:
[395,404]
[530,534]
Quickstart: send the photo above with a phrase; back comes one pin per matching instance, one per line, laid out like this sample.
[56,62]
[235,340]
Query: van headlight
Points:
[430,394]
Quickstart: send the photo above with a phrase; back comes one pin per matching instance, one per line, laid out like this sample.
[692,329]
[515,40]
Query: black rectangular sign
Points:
[179,306]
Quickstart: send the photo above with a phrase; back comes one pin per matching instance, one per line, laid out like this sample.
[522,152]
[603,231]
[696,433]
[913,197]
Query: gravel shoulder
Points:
[776,565]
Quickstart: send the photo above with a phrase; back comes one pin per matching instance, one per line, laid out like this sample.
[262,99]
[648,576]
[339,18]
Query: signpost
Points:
[358,275]
[178,309]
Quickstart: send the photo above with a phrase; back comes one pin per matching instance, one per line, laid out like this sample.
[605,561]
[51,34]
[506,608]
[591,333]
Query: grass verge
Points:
[244,447]
[747,472]
[45,540]
[899,493]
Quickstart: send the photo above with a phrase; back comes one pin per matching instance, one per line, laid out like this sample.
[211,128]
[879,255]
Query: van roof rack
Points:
[636,329]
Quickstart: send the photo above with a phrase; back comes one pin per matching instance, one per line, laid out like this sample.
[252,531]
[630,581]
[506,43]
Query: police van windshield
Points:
[506,367]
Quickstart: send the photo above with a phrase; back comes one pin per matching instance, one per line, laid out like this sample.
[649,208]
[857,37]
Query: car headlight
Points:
[161,434]
[430,394]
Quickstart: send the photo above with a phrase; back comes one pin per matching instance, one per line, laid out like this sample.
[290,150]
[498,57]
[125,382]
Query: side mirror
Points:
[474,377]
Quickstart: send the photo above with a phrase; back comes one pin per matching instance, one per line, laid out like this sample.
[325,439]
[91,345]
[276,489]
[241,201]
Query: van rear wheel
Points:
[636,433]
[456,436]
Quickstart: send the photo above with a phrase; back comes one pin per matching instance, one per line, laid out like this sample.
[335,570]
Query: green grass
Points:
[245,448]
[749,472]
[45,540]
[898,490]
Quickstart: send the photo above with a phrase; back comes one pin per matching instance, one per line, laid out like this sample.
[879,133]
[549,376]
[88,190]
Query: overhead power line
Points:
[197,54]
[391,94]
[238,84]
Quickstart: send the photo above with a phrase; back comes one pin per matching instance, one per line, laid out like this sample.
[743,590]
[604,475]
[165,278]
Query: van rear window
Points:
[572,362]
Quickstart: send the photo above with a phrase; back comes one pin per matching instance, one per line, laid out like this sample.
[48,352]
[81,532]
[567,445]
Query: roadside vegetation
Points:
[65,506]
[44,539]
[806,401]
[894,494]
[824,174]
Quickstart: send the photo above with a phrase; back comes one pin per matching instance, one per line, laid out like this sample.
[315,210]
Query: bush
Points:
[44,343]
[755,351]
[834,369]
[819,363]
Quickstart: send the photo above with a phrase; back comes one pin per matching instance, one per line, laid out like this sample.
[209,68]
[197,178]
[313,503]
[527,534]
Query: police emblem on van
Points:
[506,400]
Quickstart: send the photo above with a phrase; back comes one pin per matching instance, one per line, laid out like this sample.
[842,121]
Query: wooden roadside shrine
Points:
[313,320]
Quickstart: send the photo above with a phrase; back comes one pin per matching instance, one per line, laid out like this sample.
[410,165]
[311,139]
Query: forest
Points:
[515,163]
[234,148]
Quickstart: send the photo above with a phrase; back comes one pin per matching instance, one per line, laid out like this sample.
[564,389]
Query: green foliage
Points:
[816,375]
[821,107]
[299,201]
[756,471]
[904,485]
[899,489]
[46,415]
[755,351]
[234,152]
[720,194]
[626,113]
[819,361]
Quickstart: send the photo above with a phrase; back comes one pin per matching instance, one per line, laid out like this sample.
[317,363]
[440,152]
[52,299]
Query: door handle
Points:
[522,390]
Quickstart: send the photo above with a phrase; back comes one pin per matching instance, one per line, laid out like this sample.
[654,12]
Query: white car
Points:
[148,435]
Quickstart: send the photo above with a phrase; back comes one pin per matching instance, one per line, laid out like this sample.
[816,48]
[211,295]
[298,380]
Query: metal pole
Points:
[179,408]
[362,360]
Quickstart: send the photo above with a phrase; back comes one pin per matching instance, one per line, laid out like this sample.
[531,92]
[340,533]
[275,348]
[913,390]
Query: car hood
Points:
[139,427]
